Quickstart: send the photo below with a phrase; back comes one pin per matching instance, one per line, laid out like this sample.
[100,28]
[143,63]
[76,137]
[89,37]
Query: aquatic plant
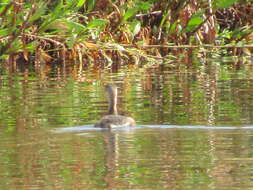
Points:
[104,30]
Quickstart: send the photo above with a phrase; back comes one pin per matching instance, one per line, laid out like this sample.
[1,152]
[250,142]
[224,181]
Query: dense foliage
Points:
[110,30]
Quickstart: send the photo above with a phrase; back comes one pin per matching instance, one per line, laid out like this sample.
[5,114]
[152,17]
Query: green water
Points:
[35,104]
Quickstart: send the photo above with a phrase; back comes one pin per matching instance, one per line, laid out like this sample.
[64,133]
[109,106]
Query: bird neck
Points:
[112,96]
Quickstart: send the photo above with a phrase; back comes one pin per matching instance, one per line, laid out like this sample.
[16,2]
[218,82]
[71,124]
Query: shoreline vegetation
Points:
[88,31]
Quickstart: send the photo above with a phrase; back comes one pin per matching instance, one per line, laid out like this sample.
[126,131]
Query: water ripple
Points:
[187,127]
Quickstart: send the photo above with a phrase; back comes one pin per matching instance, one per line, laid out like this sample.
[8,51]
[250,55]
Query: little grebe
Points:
[113,119]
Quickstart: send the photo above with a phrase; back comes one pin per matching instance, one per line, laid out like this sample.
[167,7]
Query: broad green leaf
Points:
[74,4]
[4,32]
[70,3]
[135,27]
[4,56]
[224,3]
[242,31]
[71,40]
[31,47]
[91,4]
[15,46]
[172,27]
[193,23]
[130,12]
[80,3]
[57,13]
[74,26]
[3,4]
[143,5]
[97,23]
[140,43]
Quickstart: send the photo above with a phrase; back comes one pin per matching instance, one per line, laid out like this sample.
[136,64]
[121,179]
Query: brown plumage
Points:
[113,119]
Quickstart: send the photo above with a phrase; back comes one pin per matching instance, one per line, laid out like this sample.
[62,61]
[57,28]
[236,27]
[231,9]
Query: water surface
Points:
[194,130]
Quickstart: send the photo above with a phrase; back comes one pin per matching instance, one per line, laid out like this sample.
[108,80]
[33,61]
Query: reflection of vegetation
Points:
[30,104]
[83,30]
[178,159]
[213,95]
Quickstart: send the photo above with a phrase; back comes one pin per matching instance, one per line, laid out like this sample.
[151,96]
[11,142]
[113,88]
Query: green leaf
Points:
[135,27]
[172,27]
[39,12]
[97,23]
[70,3]
[224,3]
[80,3]
[143,5]
[31,47]
[58,8]
[91,4]
[74,26]
[193,23]
[15,46]
[3,4]
[71,40]
[4,32]
[130,12]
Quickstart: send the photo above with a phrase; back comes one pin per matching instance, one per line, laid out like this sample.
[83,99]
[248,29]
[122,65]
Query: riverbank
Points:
[91,31]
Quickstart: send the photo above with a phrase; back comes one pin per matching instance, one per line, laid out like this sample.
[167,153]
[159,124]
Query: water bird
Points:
[113,120]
